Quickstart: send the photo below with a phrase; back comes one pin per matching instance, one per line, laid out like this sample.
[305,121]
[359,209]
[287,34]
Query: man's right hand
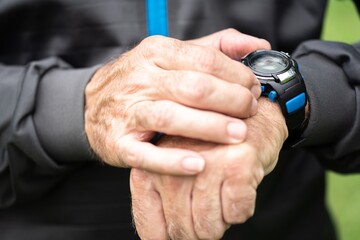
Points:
[205,205]
[171,86]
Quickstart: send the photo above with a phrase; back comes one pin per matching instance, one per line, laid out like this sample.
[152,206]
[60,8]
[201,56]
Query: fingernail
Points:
[254,107]
[256,90]
[236,130]
[193,164]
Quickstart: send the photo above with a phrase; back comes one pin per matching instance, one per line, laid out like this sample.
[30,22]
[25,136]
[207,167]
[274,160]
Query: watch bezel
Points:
[276,75]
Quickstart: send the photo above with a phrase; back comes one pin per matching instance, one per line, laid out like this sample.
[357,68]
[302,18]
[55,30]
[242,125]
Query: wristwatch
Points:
[281,81]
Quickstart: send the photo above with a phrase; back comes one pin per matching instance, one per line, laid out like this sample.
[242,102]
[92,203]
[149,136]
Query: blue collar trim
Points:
[157,19]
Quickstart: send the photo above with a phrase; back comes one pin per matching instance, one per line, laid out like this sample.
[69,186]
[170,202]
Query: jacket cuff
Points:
[331,97]
[59,115]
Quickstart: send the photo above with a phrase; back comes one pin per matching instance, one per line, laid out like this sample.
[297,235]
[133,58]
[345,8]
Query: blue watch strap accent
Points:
[272,95]
[157,19]
[295,103]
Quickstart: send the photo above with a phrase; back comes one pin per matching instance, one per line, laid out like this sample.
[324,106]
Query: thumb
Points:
[232,43]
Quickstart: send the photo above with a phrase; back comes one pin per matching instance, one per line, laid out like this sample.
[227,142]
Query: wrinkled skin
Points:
[205,205]
[176,87]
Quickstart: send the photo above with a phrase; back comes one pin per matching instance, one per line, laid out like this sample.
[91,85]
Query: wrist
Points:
[270,116]
[267,132]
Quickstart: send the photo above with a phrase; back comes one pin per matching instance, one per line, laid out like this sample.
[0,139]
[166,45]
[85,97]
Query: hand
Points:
[204,206]
[171,86]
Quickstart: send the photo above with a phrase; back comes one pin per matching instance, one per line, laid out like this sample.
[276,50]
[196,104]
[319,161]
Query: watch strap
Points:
[292,99]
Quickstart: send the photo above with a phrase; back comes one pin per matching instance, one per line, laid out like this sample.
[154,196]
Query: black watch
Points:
[281,81]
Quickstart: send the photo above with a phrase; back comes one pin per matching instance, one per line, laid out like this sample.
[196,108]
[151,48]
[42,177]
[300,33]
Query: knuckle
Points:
[150,45]
[154,116]
[247,208]
[209,229]
[208,60]
[238,162]
[247,97]
[135,116]
[132,157]
[241,207]
[176,230]
[197,90]
[248,77]
[162,116]
[243,103]
[152,41]
[209,225]
[242,218]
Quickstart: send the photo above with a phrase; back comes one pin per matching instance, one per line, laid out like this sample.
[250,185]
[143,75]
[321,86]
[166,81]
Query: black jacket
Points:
[51,187]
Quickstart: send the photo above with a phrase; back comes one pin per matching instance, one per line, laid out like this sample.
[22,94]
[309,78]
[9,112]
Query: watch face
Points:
[268,62]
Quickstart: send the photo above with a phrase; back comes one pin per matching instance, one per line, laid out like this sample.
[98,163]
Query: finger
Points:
[233,43]
[146,207]
[160,160]
[176,196]
[180,55]
[238,200]
[206,207]
[206,92]
[236,45]
[175,119]
[238,192]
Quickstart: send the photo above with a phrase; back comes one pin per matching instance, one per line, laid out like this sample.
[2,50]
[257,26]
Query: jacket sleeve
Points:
[332,75]
[41,127]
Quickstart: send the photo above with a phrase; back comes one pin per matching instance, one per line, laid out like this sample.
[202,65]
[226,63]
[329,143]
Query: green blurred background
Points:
[343,194]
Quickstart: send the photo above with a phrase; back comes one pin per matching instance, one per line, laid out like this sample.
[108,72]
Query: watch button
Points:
[262,89]
[295,103]
[272,95]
